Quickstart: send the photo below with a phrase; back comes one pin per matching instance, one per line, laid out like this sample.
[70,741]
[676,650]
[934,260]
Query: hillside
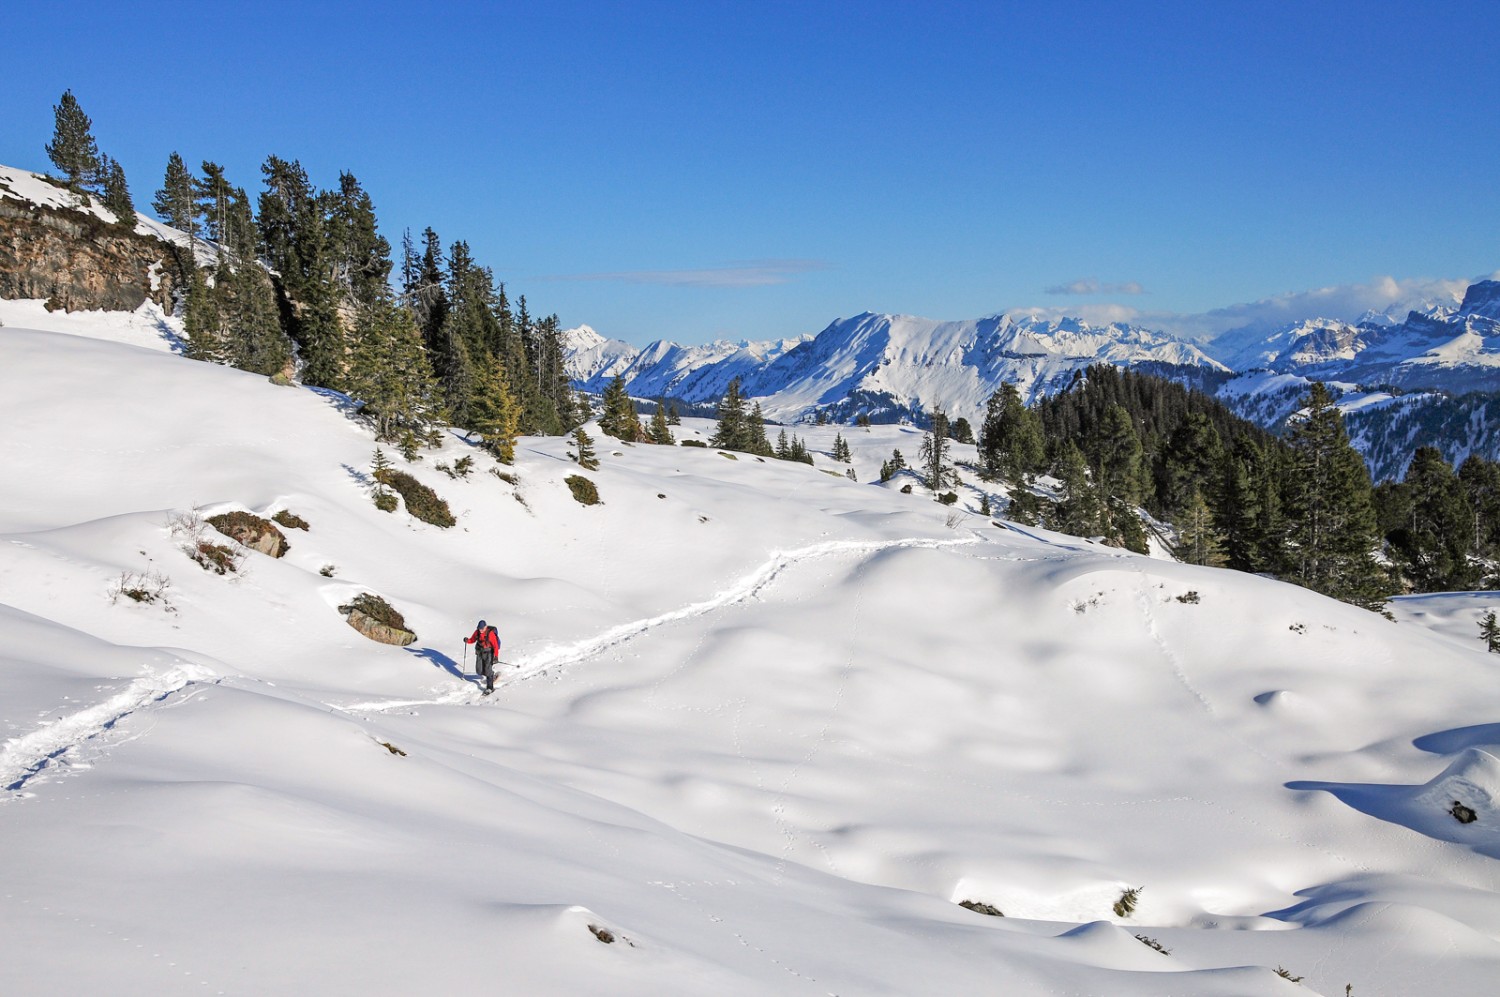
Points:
[761,725]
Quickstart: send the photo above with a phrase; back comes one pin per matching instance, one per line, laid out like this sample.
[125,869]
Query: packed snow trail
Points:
[24,758]
[741,591]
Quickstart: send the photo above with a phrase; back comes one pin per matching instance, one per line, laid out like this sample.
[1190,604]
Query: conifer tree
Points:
[1198,538]
[618,418]
[961,431]
[117,193]
[200,322]
[1332,518]
[496,415]
[73,149]
[841,451]
[253,337]
[390,373]
[1080,512]
[1010,439]
[755,433]
[175,202]
[937,469]
[361,256]
[674,417]
[732,432]
[783,449]
[1489,632]
[1434,541]
[583,445]
[661,433]
[213,194]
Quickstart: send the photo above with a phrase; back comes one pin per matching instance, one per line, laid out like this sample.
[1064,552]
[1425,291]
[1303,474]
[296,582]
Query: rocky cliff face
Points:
[75,260]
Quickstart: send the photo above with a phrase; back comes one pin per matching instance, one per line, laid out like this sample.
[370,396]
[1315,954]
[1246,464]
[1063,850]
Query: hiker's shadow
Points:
[447,664]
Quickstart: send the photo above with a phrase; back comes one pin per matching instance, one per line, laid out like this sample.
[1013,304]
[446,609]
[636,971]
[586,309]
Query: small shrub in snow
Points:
[1189,597]
[214,557]
[1299,628]
[1125,906]
[385,501]
[583,489]
[280,379]
[693,443]
[1152,943]
[583,450]
[980,907]
[1463,814]
[290,520]
[327,570]
[906,489]
[948,498]
[392,748]
[421,501]
[505,476]
[729,455]
[148,587]
[1286,975]
[603,934]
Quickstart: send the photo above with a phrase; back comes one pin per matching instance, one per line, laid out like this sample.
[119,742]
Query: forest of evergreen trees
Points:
[301,282]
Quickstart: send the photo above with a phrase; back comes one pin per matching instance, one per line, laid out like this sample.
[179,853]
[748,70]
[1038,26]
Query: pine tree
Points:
[252,328]
[389,372]
[841,450]
[1114,452]
[1010,439]
[583,453]
[496,415]
[661,433]
[674,418]
[1489,632]
[936,466]
[175,203]
[1332,518]
[783,449]
[117,193]
[73,149]
[213,194]
[1434,542]
[732,432]
[755,433]
[1081,511]
[961,431]
[361,256]
[1198,539]
[619,418]
[200,322]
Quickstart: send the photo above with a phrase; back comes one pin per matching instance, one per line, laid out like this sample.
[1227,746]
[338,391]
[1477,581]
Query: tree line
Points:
[300,280]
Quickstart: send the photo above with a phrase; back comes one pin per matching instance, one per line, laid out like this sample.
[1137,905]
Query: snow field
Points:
[764,724]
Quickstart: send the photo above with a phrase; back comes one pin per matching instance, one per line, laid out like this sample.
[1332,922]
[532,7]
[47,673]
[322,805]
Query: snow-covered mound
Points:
[761,727]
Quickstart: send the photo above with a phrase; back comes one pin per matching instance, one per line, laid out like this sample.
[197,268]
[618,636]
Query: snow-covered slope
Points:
[761,725]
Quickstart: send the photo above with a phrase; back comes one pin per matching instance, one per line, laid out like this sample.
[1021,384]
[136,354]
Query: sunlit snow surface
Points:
[764,725]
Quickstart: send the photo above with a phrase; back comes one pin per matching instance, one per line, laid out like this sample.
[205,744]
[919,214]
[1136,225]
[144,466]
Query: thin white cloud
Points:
[753,273]
[1092,285]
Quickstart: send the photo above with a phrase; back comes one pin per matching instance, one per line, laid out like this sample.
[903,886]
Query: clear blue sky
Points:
[750,170]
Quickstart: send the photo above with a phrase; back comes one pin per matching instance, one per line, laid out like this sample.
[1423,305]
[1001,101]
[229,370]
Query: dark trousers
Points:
[485,662]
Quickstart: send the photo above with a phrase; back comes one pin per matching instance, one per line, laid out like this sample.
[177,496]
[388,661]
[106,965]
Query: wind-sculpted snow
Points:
[763,726]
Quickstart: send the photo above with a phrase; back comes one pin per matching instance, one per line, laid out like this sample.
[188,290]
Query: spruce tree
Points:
[755,433]
[841,450]
[661,433]
[1332,518]
[73,149]
[252,327]
[1010,439]
[496,415]
[200,323]
[214,194]
[618,418]
[390,374]
[1081,512]
[732,431]
[1433,544]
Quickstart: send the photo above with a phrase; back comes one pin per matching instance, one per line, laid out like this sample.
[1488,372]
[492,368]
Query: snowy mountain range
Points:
[901,368]
[892,367]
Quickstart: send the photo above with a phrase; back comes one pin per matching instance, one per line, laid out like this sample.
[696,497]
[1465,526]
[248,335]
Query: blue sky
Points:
[752,170]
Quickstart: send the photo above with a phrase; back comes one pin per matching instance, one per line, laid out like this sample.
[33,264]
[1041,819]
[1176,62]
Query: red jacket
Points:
[490,638]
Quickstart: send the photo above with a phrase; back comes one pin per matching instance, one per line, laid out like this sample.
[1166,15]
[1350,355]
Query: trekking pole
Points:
[466,657]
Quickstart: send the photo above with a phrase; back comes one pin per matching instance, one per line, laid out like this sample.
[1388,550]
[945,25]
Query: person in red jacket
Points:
[485,654]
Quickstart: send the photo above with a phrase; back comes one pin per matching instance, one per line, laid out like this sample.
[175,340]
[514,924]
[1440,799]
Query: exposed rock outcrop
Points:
[76,260]
[251,531]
